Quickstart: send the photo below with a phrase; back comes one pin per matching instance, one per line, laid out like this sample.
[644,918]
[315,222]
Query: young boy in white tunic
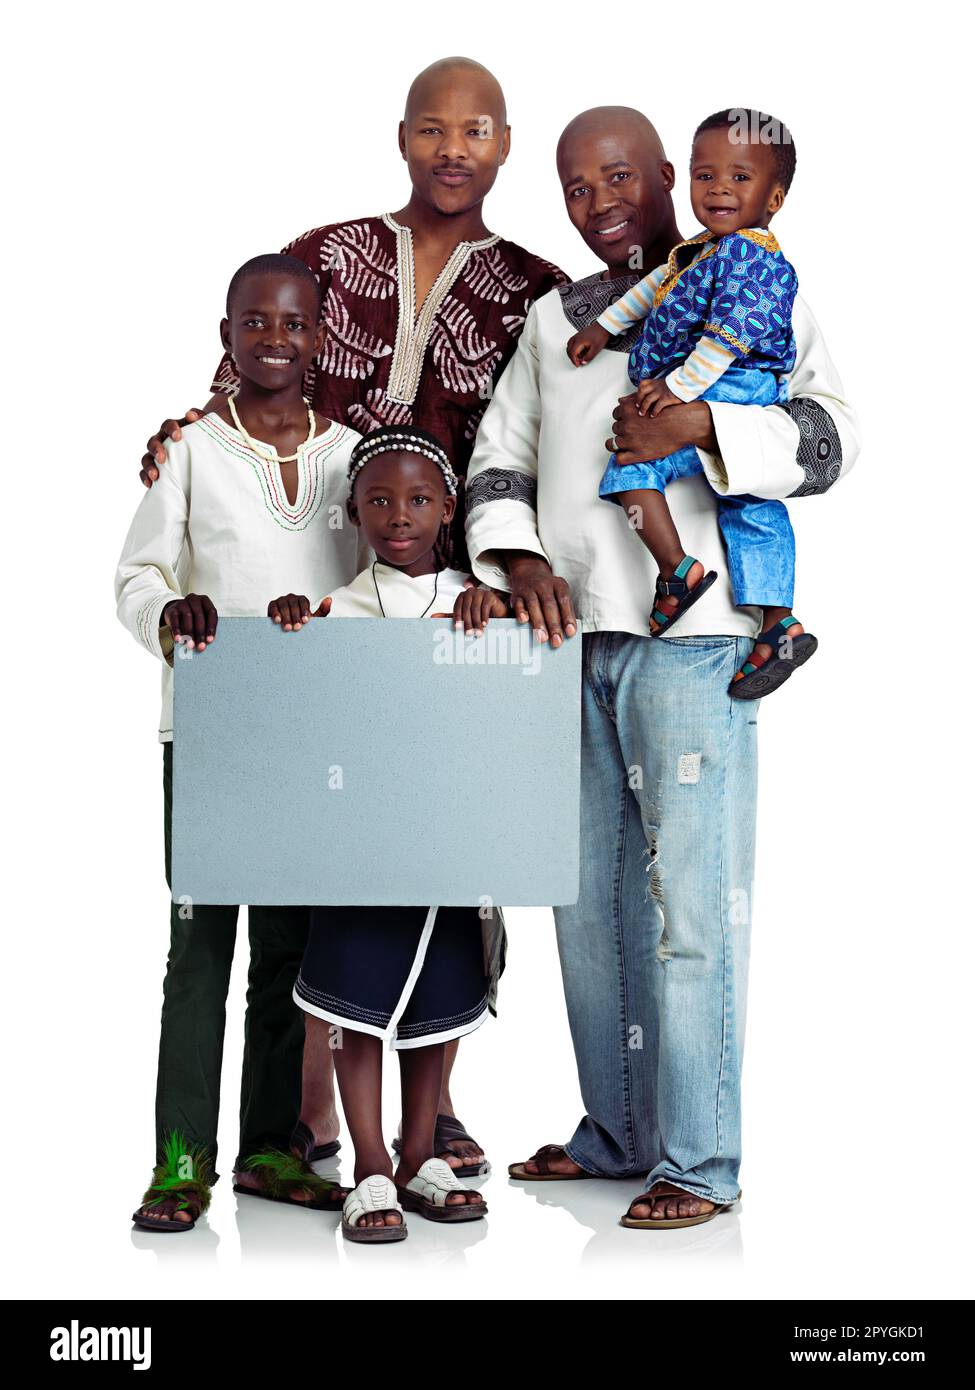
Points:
[252,498]
[412,977]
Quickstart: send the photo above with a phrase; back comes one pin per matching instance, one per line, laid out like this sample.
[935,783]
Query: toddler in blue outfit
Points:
[717,325]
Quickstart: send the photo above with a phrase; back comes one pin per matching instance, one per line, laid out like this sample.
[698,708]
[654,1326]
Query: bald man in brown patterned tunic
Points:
[423,309]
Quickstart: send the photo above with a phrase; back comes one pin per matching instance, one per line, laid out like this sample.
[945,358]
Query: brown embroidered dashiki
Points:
[387,360]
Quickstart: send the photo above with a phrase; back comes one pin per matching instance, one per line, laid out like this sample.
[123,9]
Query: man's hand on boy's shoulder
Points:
[192,620]
[155,454]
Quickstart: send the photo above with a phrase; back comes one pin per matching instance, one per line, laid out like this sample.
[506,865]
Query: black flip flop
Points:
[677,587]
[448,1130]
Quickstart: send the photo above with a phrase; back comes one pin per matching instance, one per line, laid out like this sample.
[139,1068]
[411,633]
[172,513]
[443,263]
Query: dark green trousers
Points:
[201,953]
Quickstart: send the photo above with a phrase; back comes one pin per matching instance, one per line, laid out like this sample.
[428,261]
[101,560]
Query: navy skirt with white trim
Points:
[411,975]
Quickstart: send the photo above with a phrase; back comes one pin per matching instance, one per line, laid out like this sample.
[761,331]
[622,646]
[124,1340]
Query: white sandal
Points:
[373,1194]
[427,1193]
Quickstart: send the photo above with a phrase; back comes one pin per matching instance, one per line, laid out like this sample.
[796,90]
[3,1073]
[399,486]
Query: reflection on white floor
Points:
[539,1224]
[821,1109]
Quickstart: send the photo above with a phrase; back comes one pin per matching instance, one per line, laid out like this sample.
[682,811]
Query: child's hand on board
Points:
[654,395]
[587,344]
[474,607]
[192,620]
[292,611]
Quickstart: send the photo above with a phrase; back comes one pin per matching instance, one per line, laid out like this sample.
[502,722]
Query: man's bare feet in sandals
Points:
[668,1205]
[455,1146]
[180,1189]
[162,1213]
[549,1163]
[244,1177]
[255,1180]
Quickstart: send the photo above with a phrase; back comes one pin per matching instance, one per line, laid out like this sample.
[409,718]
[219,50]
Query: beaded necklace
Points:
[271,456]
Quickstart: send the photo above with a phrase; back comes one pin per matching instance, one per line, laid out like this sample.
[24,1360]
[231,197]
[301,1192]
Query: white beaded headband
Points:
[393,443]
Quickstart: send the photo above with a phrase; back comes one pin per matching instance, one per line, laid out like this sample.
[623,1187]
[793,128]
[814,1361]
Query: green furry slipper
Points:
[284,1177]
[181,1182]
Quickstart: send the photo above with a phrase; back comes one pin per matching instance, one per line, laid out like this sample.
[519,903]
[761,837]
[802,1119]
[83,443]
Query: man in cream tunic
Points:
[655,952]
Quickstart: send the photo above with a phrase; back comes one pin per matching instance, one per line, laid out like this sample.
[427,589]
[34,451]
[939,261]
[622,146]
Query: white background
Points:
[152,151]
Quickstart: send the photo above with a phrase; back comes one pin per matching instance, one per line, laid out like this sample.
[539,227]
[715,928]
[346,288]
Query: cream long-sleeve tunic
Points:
[218,522]
[533,480]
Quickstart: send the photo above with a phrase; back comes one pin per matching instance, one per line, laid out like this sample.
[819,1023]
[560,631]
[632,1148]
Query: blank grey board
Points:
[376,761]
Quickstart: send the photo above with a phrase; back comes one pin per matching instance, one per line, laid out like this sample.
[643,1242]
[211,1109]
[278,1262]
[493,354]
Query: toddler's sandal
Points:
[427,1194]
[374,1194]
[754,681]
[677,587]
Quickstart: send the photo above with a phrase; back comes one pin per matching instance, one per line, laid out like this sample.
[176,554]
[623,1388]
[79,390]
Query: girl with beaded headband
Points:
[411,977]
[410,440]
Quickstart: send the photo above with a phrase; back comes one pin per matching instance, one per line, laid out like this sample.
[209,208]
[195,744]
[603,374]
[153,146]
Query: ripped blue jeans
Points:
[654,954]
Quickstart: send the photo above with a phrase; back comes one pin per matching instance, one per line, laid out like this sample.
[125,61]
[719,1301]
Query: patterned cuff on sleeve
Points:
[820,451]
[157,640]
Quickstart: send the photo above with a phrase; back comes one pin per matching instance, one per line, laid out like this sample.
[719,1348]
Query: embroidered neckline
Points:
[311,490]
[413,329]
[758,235]
[762,237]
[674,272]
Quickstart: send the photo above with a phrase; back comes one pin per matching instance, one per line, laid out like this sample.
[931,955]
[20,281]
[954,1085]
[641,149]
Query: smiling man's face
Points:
[616,184]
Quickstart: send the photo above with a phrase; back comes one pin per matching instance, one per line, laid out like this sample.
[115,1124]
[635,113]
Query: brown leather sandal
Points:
[545,1174]
[671,1223]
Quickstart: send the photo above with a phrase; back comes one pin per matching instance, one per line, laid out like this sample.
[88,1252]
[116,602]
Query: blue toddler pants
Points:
[758,537]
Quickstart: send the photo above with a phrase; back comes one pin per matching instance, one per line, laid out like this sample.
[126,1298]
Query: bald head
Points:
[614,122]
[452,74]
